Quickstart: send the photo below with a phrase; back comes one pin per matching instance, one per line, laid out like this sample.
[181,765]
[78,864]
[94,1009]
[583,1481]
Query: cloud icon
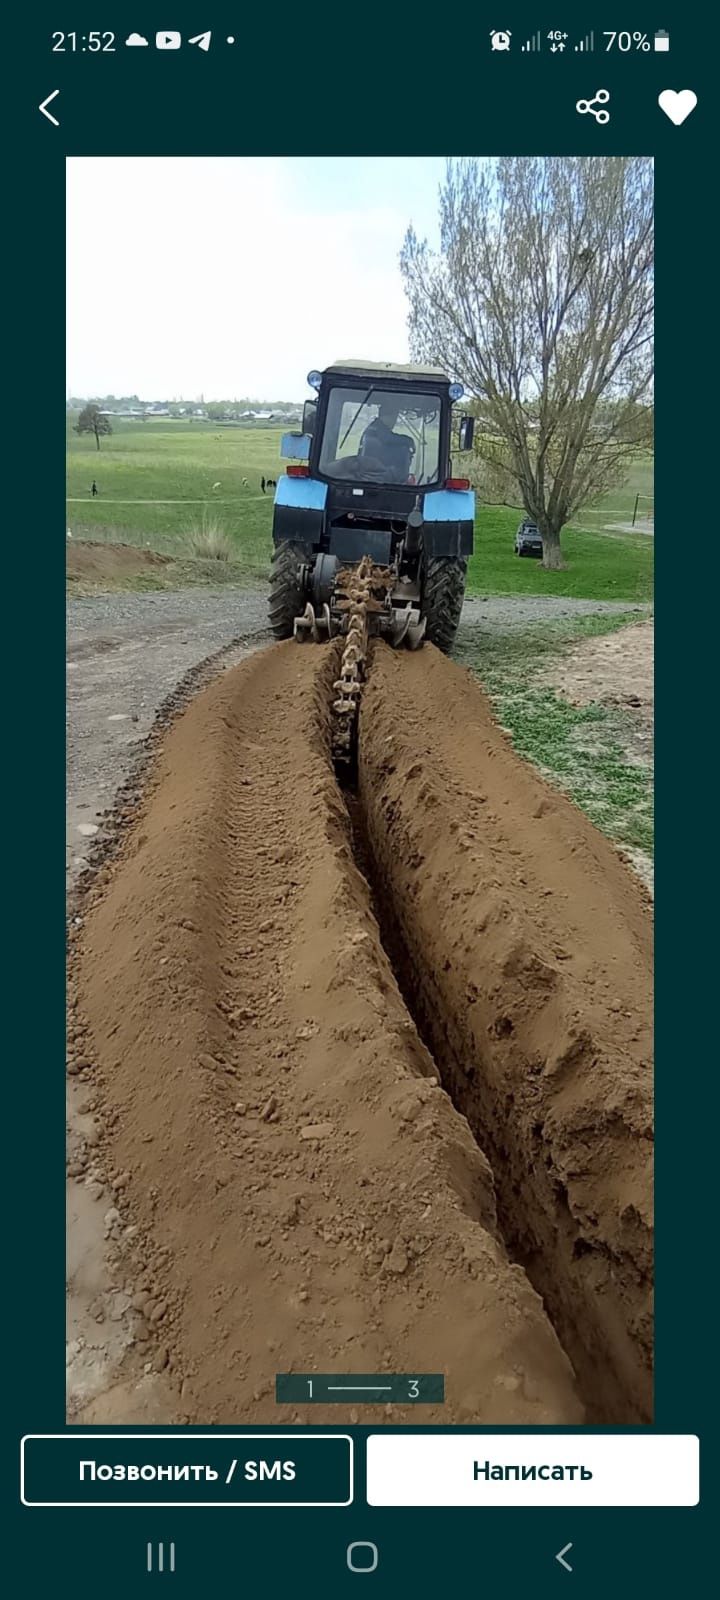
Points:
[136,38]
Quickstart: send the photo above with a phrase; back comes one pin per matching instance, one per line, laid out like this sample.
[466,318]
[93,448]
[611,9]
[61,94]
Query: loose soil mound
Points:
[526,958]
[296,1190]
[95,562]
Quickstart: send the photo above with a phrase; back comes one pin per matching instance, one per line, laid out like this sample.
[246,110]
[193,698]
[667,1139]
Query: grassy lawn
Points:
[596,567]
[580,748]
[618,505]
[165,461]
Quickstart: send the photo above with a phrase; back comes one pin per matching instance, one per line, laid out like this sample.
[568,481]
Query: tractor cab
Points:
[368,433]
[373,476]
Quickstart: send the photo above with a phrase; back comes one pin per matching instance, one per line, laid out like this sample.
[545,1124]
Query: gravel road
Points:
[126,652]
[502,613]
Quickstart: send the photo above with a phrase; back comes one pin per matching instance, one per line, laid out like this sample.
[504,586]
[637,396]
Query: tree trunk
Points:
[552,554]
[97,440]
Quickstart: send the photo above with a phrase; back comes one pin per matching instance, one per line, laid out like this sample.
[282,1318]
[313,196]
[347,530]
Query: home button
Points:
[362,1556]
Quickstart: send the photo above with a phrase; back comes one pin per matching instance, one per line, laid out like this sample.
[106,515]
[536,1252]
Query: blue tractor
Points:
[371,476]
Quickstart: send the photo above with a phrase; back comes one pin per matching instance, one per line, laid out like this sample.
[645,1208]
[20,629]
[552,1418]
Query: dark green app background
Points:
[311,81]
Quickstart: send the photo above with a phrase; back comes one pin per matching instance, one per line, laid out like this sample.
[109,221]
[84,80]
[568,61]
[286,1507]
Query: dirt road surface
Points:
[125,654]
[616,669]
[284,1181]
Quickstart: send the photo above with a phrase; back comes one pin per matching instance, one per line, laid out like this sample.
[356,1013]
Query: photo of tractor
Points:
[360,940]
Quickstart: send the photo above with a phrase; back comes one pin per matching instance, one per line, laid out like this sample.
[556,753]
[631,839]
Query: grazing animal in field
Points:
[271,483]
[217,486]
[245,483]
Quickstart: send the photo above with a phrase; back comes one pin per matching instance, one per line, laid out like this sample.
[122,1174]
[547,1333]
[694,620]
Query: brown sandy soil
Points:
[529,968]
[617,670]
[86,560]
[294,1190]
[136,652]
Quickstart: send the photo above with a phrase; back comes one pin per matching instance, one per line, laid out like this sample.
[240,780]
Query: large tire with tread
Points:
[286,592]
[443,595]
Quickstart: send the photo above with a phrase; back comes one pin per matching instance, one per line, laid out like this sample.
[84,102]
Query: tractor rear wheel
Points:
[286,589]
[443,595]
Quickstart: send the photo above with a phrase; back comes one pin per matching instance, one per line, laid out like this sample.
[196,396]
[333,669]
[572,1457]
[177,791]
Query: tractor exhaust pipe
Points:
[412,534]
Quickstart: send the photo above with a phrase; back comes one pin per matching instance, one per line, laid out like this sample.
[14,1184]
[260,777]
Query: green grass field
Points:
[618,505]
[145,469]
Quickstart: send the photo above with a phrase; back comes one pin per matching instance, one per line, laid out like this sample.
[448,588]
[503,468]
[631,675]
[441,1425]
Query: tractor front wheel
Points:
[286,589]
[443,595]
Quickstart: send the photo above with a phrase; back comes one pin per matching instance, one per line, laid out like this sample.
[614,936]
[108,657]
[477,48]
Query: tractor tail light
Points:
[457,483]
[298,472]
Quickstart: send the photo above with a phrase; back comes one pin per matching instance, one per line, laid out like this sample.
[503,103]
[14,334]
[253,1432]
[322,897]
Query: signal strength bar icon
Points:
[532,44]
[588,43]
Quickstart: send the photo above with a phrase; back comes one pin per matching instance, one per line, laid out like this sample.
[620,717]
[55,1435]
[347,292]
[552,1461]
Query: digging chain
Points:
[364,589]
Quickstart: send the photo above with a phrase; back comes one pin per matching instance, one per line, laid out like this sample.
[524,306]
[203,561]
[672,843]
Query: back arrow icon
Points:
[44,108]
[561,1557]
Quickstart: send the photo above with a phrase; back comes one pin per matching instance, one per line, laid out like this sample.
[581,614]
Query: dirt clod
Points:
[397,1260]
[316,1130]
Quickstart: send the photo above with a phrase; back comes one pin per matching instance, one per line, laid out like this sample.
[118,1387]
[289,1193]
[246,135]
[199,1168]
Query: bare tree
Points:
[540,299]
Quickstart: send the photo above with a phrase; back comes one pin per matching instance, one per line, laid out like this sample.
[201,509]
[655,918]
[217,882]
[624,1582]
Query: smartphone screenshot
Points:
[336,460]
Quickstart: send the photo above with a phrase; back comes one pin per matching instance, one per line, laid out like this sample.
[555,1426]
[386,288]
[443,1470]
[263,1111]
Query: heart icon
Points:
[677,104]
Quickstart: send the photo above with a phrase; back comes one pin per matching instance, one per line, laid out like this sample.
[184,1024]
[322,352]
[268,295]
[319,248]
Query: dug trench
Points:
[330,1153]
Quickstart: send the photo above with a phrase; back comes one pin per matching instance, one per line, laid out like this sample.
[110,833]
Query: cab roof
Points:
[389,369]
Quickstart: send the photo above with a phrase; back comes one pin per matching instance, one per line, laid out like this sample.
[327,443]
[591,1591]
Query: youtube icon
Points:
[168,41]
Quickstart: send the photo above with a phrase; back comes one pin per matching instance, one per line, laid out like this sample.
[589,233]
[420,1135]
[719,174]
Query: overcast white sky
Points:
[234,276]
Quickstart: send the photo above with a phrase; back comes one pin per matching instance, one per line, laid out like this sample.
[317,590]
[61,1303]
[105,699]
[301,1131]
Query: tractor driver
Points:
[379,443]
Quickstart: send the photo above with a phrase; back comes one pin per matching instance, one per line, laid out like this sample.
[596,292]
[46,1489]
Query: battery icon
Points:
[662,40]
